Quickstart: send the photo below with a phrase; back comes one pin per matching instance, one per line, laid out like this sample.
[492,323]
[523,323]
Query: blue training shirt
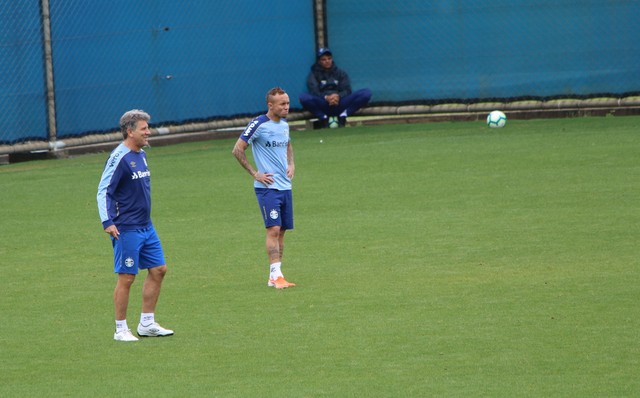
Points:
[124,192]
[269,141]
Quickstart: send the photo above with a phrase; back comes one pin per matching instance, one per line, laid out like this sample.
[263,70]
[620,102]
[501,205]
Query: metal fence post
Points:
[49,78]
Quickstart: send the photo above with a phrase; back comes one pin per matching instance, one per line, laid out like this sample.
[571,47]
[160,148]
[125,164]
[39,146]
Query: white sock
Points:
[274,270]
[121,325]
[147,318]
[343,114]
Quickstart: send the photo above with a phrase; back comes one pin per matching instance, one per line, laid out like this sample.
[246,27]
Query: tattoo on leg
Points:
[274,253]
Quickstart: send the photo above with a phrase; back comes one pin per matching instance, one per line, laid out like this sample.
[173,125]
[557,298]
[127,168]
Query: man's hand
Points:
[332,99]
[265,178]
[113,231]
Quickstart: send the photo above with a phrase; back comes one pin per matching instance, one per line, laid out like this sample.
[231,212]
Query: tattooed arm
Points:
[239,151]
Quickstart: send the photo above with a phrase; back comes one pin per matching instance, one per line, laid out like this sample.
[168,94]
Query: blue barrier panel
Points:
[22,88]
[468,49]
[179,61]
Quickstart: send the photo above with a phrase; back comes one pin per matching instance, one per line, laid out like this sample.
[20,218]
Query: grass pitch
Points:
[443,259]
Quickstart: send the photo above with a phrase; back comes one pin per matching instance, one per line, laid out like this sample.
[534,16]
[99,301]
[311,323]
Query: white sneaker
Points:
[124,335]
[153,330]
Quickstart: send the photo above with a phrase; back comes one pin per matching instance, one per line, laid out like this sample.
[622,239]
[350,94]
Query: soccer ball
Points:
[496,119]
[333,122]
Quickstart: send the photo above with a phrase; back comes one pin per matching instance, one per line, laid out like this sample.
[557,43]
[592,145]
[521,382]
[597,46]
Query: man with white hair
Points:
[124,204]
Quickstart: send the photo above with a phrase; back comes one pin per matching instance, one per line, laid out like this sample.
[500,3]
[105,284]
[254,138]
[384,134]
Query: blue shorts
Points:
[136,250]
[276,207]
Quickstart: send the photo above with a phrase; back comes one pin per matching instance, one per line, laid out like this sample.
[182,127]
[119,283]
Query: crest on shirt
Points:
[273,214]
[132,164]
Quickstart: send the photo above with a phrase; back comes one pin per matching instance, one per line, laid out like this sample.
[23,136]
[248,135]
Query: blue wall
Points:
[469,49]
[222,57]
[22,88]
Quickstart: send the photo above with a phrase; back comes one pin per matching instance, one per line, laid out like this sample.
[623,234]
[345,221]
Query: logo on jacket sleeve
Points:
[114,159]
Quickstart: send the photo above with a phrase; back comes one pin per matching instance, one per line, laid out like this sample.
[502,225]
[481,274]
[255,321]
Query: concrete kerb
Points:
[299,121]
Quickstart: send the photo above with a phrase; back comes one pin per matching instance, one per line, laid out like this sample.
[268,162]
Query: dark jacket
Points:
[322,82]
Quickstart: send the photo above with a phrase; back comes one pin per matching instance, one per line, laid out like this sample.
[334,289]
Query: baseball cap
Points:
[322,51]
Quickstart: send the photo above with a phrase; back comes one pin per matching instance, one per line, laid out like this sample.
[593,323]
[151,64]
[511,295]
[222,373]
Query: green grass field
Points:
[432,260]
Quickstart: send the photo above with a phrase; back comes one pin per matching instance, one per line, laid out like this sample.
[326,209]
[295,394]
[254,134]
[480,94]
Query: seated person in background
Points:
[330,91]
